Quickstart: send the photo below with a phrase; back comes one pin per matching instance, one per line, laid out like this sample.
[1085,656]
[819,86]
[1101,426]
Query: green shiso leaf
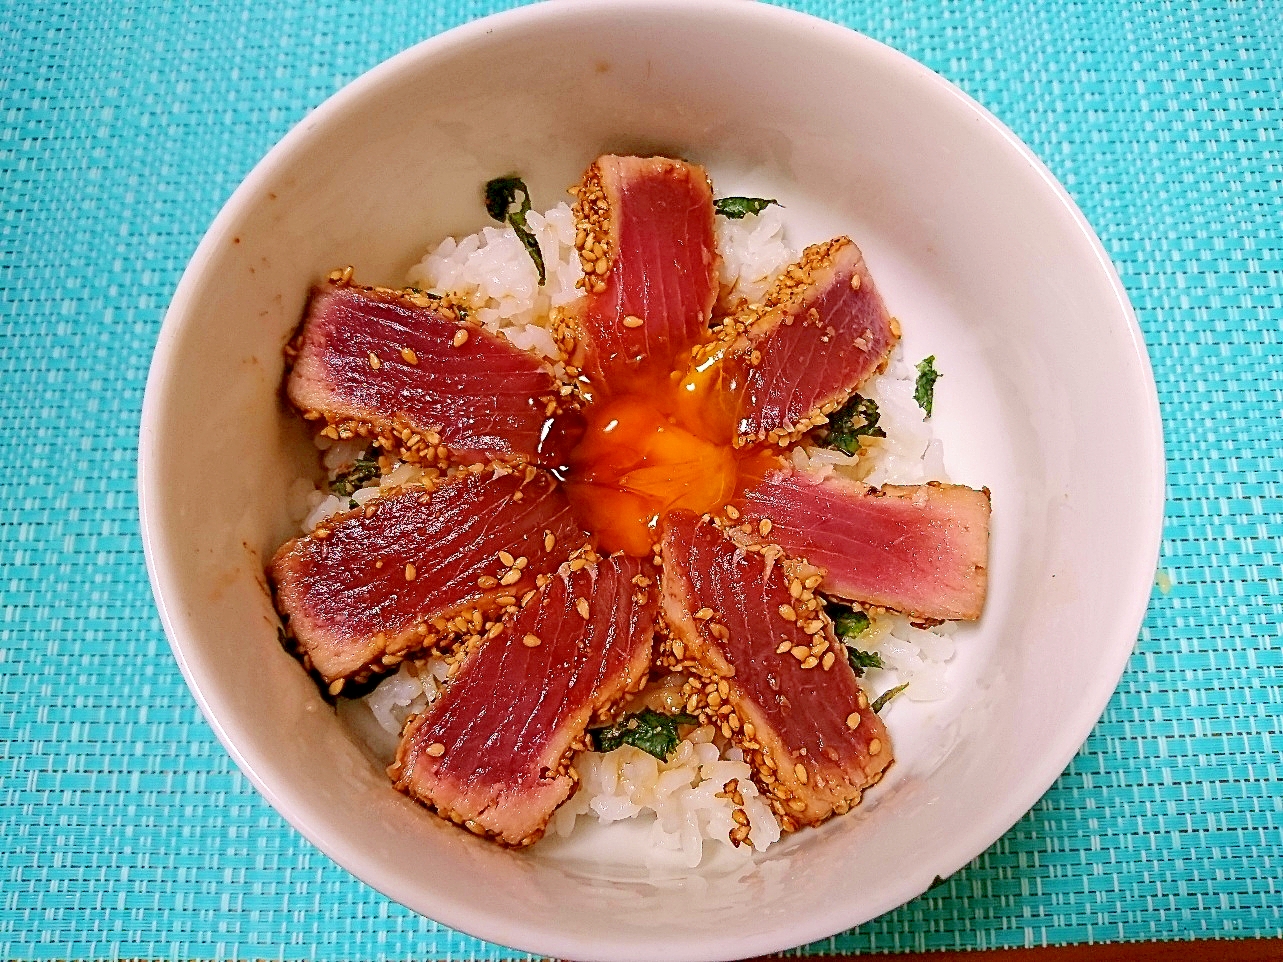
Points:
[925,388]
[737,208]
[856,419]
[365,468]
[651,731]
[501,196]
[847,622]
[886,696]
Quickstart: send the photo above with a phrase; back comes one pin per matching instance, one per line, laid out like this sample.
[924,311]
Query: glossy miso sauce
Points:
[663,445]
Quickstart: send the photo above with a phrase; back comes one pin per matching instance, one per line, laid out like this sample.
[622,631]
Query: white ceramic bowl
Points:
[1047,398]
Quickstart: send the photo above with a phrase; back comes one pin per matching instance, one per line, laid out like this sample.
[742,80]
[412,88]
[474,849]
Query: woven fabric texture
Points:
[125,829]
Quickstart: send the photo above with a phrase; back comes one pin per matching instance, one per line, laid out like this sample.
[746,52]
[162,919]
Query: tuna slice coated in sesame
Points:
[922,550]
[820,332]
[398,366]
[366,588]
[748,620]
[493,753]
[649,292]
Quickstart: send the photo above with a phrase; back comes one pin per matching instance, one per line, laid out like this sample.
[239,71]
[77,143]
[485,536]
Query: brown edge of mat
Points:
[1194,950]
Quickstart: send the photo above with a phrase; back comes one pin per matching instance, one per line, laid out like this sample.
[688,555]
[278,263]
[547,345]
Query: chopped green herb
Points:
[856,419]
[925,388]
[365,468]
[736,208]
[501,195]
[847,622]
[861,659]
[886,696]
[651,731]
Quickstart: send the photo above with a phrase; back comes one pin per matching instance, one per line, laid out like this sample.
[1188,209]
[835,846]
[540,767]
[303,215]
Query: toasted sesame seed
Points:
[633,321]
[795,589]
[460,337]
[784,646]
[740,816]
[409,356]
[787,613]
[732,512]
[796,805]
[581,606]
[409,571]
[875,747]
[764,527]
[827,661]
[800,771]
[812,582]
[800,652]
[531,641]
[855,282]
[487,581]
[336,686]
[549,541]
[853,720]
[521,562]
[510,577]
[862,700]
[436,749]
[375,363]
[506,559]
[704,614]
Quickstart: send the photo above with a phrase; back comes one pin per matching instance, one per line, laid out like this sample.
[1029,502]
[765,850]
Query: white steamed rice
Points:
[492,272]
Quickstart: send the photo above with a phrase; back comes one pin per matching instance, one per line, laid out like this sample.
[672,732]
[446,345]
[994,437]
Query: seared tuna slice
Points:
[780,368]
[650,268]
[419,565]
[922,550]
[493,753]
[400,367]
[748,624]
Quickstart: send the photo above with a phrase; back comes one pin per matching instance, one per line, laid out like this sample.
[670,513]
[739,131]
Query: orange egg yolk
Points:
[644,454]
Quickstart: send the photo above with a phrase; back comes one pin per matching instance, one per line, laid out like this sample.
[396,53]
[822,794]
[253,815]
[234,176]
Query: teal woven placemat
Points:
[125,830]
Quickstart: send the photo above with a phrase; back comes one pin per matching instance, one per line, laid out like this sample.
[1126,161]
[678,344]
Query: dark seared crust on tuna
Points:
[789,362]
[747,624]
[922,549]
[420,565]
[401,368]
[649,254]
[493,753]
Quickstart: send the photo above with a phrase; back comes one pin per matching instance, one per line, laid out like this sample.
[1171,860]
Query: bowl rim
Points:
[490,925]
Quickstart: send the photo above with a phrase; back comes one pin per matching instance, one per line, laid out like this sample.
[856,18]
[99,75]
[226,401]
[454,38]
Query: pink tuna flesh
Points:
[776,371]
[644,311]
[800,716]
[418,565]
[493,752]
[379,363]
[921,550]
